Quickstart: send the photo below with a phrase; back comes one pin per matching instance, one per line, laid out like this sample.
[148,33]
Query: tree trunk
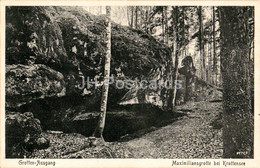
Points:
[101,123]
[132,17]
[209,62]
[238,130]
[183,33]
[176,54]
[163,24]
[136,17]
[166,27]
[146,20]
[201,43]
[214,43]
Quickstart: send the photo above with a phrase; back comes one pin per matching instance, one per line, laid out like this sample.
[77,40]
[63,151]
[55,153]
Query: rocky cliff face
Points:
[23,134]
[50,49]
[26,83]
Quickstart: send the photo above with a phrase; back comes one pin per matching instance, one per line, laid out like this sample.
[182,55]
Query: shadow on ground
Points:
[125,123]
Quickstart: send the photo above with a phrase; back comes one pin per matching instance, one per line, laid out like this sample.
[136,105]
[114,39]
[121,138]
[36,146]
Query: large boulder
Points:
[25,83]
[135,54]
[23,134]
[72,41]
[50,49]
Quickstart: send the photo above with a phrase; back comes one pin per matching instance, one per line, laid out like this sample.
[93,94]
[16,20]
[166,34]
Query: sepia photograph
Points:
[129,82]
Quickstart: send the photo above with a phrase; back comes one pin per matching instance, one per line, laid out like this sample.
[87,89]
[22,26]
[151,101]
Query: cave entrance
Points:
[125,124]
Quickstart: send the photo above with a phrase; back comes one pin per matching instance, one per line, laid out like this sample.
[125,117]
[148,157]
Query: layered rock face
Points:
[26,83]
[72,42]
[50,49]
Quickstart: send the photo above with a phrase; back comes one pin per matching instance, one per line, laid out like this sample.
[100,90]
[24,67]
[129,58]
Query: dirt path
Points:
[190,137]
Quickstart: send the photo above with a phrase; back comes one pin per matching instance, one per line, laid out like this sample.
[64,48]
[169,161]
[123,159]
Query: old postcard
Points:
[130,84]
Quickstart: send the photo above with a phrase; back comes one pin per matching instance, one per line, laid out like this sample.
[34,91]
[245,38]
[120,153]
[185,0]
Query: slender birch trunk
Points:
[101,123]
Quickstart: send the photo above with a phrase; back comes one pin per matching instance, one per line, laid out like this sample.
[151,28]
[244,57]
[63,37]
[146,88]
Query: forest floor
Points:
[198,134]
